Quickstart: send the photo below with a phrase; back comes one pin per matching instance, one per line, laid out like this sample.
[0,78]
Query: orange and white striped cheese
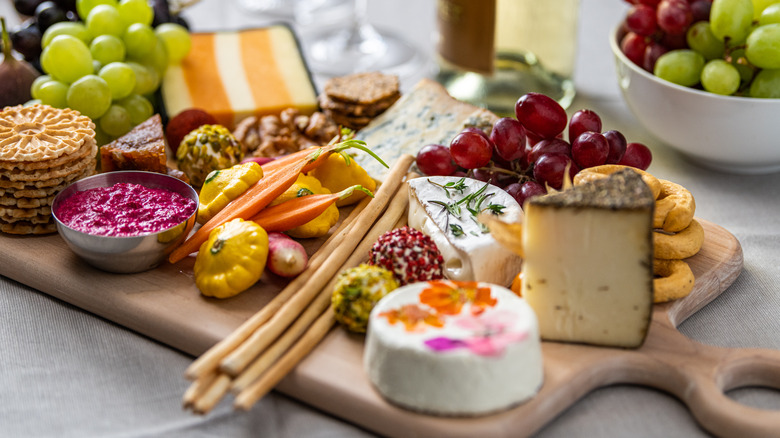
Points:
[234,75]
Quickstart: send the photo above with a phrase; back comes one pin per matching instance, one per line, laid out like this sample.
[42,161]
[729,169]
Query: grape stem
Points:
[521,176]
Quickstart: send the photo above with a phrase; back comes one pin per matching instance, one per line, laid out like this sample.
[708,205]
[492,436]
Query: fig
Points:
[16,76]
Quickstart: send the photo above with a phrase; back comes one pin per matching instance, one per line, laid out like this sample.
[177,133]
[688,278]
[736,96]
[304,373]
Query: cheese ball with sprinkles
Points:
[409,254]
[356,293]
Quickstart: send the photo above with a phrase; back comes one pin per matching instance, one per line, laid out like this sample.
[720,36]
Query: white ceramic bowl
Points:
[732,134]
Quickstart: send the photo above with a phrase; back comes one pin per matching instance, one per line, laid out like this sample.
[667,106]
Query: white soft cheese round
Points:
[485,358]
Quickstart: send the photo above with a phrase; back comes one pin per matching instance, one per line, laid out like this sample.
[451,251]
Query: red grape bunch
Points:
[527,154]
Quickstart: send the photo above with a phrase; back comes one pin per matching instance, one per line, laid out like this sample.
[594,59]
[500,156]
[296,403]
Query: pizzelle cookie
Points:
[42,150]
[40,132]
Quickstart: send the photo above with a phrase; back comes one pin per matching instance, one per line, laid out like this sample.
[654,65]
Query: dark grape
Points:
[499,179]
[26,7]
[67,5]
[541,114]
[617,146]
[652,3]
[590,149]
[551,146]
[514,191]
[673,42]
[435,159]
[48,13]
[641,20]
[476,130]
[637,155]
[529,190]
[582,121]
[162,13]
[652,53]
[550,169]
[470,150]
[674,16]
[634,46]
[701,10]
[508,137]
[27,40]
[178,19]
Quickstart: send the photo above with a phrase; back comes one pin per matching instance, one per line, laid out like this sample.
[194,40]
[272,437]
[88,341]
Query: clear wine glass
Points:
[360,47]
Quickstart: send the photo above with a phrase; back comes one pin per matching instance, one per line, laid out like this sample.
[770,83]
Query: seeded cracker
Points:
[353,101]
[362,88]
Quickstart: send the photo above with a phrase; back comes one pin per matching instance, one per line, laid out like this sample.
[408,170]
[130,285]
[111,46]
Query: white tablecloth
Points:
[68,373]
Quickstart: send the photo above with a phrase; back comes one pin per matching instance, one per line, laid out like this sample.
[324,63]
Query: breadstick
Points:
[239,359]
[209,361]
[276,373]
[395,213]
[212,395]
[197,388]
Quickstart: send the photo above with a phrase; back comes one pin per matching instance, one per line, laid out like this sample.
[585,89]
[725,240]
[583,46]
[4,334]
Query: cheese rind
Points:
[473,255]
[460,368]
[588,270]
[425,115]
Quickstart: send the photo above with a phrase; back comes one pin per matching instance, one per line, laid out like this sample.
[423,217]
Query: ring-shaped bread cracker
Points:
[681,212]
[598,172]
[681,245]
[674,280]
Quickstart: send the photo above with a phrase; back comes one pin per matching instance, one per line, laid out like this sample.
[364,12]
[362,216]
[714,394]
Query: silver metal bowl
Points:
[126,254]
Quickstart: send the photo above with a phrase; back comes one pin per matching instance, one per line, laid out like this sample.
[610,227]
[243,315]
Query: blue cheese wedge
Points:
[588,268]
[425,115]
[446,209]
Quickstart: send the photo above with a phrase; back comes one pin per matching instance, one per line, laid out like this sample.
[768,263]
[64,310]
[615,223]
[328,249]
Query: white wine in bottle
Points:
[491,52]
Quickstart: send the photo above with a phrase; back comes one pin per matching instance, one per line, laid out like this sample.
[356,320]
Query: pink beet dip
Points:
[124,210]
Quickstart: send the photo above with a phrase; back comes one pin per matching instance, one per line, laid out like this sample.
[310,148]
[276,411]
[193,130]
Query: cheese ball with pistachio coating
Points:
[356,293]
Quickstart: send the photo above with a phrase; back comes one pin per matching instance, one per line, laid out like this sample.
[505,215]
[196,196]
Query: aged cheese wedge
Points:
[453,349]
[470,253]
[425,115]
[234,75]
[588,268]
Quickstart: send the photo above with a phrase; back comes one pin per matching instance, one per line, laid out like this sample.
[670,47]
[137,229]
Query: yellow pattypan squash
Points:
[223,186]
[232,259]
[319,226]
[336,175]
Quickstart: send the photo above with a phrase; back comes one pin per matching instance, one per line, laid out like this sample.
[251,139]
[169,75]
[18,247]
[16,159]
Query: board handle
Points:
[736,368]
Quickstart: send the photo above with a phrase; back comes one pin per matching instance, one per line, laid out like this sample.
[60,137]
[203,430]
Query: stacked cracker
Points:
[353,101]
[42,150]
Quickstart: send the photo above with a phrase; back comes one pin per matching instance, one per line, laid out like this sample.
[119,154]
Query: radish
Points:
[258,160]
[286,257]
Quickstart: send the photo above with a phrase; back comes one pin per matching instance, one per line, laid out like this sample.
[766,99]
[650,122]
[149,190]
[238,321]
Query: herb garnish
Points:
[459,186]
[472,202]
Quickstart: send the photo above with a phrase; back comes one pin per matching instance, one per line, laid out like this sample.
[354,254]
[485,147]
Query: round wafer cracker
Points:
[9,214]
[44,174]
[89,147]
[41,132]
[25,185]
[21,202]
[27,227]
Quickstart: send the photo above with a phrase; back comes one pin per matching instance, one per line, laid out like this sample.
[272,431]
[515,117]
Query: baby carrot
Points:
[298,211]
[264,191]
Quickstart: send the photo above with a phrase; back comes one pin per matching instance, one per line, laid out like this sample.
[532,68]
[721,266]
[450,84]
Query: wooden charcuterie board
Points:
[165,305]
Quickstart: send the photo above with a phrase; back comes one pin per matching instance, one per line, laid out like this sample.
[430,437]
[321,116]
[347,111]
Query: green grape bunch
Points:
[734,49]
[109,65]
